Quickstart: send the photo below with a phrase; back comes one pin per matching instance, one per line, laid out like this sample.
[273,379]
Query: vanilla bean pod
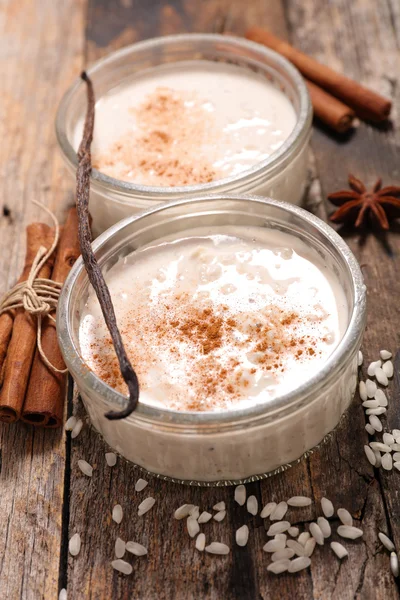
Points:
[92,268]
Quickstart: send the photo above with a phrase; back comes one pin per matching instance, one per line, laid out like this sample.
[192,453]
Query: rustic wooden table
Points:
[43,496]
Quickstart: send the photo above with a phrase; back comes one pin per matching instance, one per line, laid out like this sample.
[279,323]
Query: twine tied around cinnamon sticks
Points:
[37,296]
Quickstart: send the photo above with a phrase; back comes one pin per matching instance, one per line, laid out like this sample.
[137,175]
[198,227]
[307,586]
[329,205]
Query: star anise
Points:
[379,204]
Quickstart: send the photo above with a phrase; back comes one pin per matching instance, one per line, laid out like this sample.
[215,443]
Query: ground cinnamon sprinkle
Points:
[167,148]
[217,355]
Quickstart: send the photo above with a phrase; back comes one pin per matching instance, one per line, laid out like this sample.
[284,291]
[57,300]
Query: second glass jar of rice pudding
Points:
[188,114]
[243,318]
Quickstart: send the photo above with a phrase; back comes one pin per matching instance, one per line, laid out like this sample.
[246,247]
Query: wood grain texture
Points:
[40,50]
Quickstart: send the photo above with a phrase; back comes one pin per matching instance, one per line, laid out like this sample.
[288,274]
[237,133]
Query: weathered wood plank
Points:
[40,50]
[338,470]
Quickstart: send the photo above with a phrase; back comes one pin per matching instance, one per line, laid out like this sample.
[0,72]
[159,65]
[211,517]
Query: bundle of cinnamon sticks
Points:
[336,99]
[29,390]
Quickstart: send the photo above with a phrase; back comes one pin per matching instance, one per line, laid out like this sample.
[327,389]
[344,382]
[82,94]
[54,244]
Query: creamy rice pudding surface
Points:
[188,123]
[219,318]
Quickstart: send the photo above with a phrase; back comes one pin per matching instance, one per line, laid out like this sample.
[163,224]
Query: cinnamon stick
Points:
[329,109]
[44,402]
[368,104]
[35,234]
[22,344]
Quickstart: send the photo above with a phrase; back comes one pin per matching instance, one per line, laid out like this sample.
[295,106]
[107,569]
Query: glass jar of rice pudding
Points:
[243,317]
[186,115]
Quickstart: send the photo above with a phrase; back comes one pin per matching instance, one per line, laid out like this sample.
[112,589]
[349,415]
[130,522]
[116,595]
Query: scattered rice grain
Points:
[204,517]
[345,516]
[370,429]
[396,456]
[371,404]
[240,495]
[279,511]
[111,459]
[195,512]
[220,516]
[370,455]
[242,535]
[373,366]
[119,547]
[63,594]
[339,550]
[70,424]
[140,485]
[395,447]
[360,358]
[299,501]
[297,548]
[317,534]
[252,505]
[381,377]
[193,527]
[200,542]
[371,388]
[351,533]
[183,511]
[387,542]
[378,459]
[387,462]
[279,566]
[396,433]
[298,564]
[376,411]
[310,547]
[146,505]
[217,548]
[387,368]
[362,390]
[136,549]
[394,564]
[85,468]
[324,526]
[274,545]
[293,531]
[279,527]
[219,506]
[122,566]
[282,554]
[385,354]
[381,397]
[77,429]
[268,510]
[387,438]
[74,544]
[375,423]
[303,538]
[327,507]
[380,446]
[117,513]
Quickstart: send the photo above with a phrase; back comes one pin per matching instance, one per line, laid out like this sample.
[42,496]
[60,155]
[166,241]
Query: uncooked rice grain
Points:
[396,433]
[252,505]
[195,512]
[70,424]
[370,429]
[387,368]
[192,526]
[217,548]
[339,550]
[298,564]
[375,423]
[385,354]
[204,517]
[395,447]
[279,567]
[371,404]
[293,531]
[220,516]
[135,548]
[240,494]
[394,564]
[274,545]
[370,455]
[200,542]
[279,527]
[242,535]
[281,537]
[371,388]
[378,458]
[219,506]
[373,366]
[74,544]
[117,513]
[387,542]
[397,465]
[299,501]
[362,390]
[63,594]
[111,459]
[317,534]
[119,547]
[303,538]
[345,516]
[310,546]
[296,547]
[387,438]
[324,526]
[279,511]
[327,507]
[360,358]
[381,377]
[381,397]
[268,510]
[122,566]
[85,468]
[387,462]
[346,531]
[282,554]
[140,485]
[380,446]
[183,511]
[376,411]
[396,456]
[77,429]
[146,505]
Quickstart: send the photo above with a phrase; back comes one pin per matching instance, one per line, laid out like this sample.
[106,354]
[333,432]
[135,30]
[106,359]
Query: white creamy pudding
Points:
[218,318]
[188,123]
